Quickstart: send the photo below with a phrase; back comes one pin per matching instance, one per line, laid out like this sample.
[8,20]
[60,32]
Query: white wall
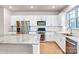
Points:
[1,21]
[7,20]
[62,16]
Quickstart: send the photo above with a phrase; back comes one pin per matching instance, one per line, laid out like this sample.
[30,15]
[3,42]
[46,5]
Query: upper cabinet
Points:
[51,20]
[33,21]
[48,21]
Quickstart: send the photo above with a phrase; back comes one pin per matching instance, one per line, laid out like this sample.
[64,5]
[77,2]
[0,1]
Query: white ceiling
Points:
[16,8]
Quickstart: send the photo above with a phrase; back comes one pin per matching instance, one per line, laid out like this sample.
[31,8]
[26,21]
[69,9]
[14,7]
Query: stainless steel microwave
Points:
[41,23]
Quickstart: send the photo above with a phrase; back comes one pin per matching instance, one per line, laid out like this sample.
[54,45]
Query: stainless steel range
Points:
[41,29]
[42,32]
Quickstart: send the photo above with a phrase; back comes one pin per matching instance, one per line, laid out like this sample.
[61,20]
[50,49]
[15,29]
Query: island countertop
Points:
[20,39]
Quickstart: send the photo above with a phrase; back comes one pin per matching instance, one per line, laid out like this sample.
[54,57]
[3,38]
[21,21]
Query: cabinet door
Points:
[54,20]
[60,39]
[33,21]
[49,36]
[63,44]
[48,21]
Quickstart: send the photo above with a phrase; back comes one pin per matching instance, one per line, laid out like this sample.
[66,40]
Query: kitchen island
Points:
[20,43]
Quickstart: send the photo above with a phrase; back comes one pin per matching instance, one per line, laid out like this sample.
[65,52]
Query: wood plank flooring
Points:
[49,48]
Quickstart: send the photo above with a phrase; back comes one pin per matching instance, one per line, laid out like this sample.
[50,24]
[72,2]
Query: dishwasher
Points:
[71,46]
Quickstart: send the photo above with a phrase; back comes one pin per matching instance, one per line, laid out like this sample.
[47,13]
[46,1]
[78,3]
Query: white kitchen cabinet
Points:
[38,18]
[33,21]
[33,28]
[49,36]
[32,32]
[43,18]
[59,20]
[48,21]
[61,41]
[55,21]
[48,29]
[52,20]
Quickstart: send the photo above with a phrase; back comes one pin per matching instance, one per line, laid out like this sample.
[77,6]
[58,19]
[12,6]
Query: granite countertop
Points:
[74,38]
[64,32]
[20,39]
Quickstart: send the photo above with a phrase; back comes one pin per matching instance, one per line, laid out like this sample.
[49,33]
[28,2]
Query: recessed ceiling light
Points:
[10,7]
[31,6]
[53,6]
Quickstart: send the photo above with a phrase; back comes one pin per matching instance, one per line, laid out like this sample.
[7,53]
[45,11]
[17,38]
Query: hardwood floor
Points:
[49,48]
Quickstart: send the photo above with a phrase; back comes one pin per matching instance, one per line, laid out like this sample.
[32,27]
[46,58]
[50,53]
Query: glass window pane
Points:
[71,16]
[78,9]
[68,17]
[77,22]
[73,23]
[68,24]
[73,11]
[78,13]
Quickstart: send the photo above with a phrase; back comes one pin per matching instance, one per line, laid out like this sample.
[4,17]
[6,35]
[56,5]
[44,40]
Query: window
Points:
[78,12]
[73,18]
[73,23]
[68,17]
[77,22]
[72,14]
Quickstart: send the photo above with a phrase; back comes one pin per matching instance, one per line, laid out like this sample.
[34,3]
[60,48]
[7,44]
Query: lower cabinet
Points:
[49,36]
[61,41]
[71,46]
